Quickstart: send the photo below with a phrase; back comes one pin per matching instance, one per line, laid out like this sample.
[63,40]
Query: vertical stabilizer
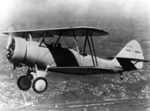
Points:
[132,51]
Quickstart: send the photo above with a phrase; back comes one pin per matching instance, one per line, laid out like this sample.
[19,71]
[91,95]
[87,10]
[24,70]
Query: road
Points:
[109,105]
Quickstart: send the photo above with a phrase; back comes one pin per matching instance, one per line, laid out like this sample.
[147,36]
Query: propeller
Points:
[10,28]
[10,47]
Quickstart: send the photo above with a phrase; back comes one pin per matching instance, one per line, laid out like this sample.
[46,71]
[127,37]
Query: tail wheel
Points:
[121,77]
[39,85]
[23,84]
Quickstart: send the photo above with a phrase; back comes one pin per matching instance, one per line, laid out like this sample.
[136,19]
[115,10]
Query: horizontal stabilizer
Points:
[129,63]
[126,64]
[133,59]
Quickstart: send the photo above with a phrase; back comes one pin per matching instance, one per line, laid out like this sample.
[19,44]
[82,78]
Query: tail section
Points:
[131,50]
[131,56]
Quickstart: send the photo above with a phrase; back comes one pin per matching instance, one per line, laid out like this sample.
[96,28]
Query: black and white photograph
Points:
[74,55]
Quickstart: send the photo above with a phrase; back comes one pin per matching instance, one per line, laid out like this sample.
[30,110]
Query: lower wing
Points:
[81,70]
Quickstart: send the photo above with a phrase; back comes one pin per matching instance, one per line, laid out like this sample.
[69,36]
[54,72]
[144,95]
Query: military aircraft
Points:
[42,57]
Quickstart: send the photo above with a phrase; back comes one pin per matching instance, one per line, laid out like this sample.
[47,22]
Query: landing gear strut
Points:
[34,77]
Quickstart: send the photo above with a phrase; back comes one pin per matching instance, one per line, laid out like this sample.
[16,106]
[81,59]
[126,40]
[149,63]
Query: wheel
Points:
[121,77]
[39,85]
[22,84]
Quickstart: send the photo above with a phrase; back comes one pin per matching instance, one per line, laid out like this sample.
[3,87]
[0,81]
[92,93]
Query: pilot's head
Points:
[59,45]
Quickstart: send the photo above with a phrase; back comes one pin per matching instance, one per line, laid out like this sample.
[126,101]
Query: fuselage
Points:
[42,58]
[31,53]
[102,63]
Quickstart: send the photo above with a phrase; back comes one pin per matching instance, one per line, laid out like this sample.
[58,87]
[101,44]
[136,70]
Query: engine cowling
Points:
[32,52]
[28,52]
[16,50]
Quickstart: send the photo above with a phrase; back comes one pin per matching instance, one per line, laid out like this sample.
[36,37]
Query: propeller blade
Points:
[30,37]
[10,40]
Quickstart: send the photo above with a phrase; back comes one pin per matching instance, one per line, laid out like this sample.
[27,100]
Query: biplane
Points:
[42,57]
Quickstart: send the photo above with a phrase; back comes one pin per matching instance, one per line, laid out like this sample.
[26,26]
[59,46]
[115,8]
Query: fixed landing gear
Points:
[34,78]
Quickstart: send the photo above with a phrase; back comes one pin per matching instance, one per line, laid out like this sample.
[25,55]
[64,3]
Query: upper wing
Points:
[81,70]
[64,31]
